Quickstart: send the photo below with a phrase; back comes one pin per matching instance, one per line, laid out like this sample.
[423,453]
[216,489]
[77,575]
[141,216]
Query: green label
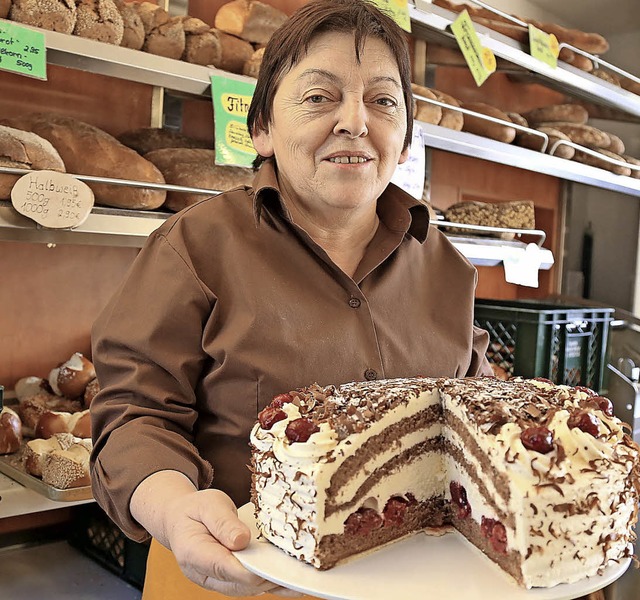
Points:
[22,50]
[398,10]
[480,60]
[231,99]
[544,46]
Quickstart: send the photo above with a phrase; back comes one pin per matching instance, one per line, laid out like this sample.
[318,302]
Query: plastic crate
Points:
[564,343]
[97,536]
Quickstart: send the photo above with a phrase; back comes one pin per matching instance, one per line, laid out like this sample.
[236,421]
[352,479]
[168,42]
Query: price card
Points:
[22,50]
[481,61]
[521,265]
[544,46]
[53,200]
[398,10]
[410,174]
[231,99]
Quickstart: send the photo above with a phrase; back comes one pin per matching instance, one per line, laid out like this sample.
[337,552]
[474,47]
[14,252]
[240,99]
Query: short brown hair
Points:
[291,41]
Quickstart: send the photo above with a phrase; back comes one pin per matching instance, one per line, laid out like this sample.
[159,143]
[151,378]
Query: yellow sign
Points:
[236,104]
[237,136]
[544,46]
[398,10]
[480,60]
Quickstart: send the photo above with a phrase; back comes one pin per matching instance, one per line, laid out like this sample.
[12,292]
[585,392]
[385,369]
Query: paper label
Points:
[53,200]
[544,46]
[23,50]
[481,61]
[410,174]
[521,265]
[231,100]
[398,10]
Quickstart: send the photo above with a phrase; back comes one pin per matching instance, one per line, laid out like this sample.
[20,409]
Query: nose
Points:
[352,118]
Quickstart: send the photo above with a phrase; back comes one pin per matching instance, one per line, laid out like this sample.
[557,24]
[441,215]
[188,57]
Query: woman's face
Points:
[338,125]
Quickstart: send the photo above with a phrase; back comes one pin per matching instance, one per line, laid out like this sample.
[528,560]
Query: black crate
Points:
[97,536]
[564,343]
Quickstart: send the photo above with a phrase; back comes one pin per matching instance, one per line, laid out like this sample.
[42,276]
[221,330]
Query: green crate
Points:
[564,343]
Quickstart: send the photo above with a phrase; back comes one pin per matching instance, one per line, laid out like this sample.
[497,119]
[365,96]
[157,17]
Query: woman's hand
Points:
[202,529]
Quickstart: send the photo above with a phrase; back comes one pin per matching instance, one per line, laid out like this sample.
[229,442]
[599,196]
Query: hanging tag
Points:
[398,10]
[231,99]
[23,50]
[52,199]
[521,265]
[410,174]
[544,46]
[481,61]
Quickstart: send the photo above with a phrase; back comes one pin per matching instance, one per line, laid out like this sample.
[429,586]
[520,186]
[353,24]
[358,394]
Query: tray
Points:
[11,465]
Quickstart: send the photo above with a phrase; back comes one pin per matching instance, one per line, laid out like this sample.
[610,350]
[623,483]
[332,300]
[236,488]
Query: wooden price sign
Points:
[53,200]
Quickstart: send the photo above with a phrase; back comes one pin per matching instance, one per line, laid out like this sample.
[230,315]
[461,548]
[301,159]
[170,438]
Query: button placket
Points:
[354,302]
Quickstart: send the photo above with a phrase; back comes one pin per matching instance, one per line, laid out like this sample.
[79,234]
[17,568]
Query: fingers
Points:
[220,516]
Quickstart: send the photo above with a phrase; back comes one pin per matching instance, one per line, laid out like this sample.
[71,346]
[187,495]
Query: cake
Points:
[543,479]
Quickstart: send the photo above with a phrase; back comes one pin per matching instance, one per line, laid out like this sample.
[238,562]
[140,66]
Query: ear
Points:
[262,143]
[404,156]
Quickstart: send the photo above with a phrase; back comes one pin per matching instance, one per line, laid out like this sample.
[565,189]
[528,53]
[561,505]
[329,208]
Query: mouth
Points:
[348,159]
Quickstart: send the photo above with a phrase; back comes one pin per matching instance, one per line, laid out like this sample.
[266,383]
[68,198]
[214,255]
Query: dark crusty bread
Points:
[24,150]
[195,168]
[490,129]
[88,150]
[566,113]
[250,20]
[167,39]
[55,15]
[147,139]
[99,20]
[133,29]
[234,52]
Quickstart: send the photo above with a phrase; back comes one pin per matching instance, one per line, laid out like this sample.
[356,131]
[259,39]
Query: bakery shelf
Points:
[431,23]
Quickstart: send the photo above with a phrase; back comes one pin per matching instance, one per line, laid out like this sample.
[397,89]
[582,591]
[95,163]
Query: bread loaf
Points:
[593,43]
[10,431]
[132,28]
[511,30]
[99,20]
[518,214]
[607,76]
[496,131]
[195,168]
[24,150]
[594,161]
[68,468]
[52,422]
[578,61]
[166,40]
[250,20]
[635,173]
[585,135]
[151,15]
[88,150]
[517,119]
[147,139]
[31,408]
[423,111]
[234,52]
[617,145]
[35,451]
[535,142]
[451,119]
[564,113]
[252,67]
[54,15]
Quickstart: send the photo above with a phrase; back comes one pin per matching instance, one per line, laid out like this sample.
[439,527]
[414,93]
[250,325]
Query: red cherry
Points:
[459,498]
[395,511]
[269,416]
[585,421]
[362,522]
[281,399]
[538,439]
[300,430]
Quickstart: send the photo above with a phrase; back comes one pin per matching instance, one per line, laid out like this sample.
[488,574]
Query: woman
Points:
[321,272]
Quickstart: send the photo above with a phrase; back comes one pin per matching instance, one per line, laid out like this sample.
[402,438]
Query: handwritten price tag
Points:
[23,50]
[53,200]
[544,46]
[398,10]
[480,60]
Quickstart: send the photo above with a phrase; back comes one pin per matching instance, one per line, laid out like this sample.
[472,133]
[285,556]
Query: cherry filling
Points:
[539,439]
[459,498]
[496,533]
[362,522]
[300,430]
[395,511]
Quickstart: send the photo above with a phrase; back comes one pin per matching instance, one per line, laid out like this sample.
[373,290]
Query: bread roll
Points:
[10,431]
[54,15]
[585,135]
[565,113]
[607,76]
[518,119]
[250,20]
[195,168]
[132,28]
[26,387]
[33,407]
[423,111]
[595,161]
[151,15]
[24,150]
[53,422]
[451,119]
[99,20]
[166,40]
[635,173]
[617,145]
[68,468]
[147,139]
[483,127]
[35,451]
[252,67]
[579,61]
[516,214]
[88,150]
[70,379]
[234,52]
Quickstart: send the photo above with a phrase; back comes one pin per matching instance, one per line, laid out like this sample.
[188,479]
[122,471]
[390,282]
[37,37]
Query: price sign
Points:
[544,46]
[53,200]
[22,50]
[480,60]
[398,10]
[231,99]
[521,265]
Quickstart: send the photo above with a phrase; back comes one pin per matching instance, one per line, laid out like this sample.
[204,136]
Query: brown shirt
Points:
[230,303]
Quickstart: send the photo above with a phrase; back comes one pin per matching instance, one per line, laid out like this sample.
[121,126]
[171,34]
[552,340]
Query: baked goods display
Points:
[543,479]
[516,214]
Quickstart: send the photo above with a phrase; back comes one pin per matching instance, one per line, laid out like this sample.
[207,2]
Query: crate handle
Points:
[576,325]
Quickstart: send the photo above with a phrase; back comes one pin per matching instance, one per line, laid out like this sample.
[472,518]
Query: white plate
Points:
[417,568]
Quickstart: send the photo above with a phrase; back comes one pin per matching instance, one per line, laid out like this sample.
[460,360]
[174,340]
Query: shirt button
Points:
[370,375]
[354,302]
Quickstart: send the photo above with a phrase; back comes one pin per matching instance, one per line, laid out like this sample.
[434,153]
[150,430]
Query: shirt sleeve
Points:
[147,350]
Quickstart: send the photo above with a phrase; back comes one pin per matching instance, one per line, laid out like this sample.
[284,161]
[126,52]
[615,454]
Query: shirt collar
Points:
[398,210]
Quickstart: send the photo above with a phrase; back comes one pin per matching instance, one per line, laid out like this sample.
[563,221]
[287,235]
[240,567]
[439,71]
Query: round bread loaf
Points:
[54,15]
[99,20]
[70,379]
[250,20]
[10,431]
[132,27]
[166,40]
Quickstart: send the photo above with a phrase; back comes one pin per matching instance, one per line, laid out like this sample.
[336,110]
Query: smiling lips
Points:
[344,160]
